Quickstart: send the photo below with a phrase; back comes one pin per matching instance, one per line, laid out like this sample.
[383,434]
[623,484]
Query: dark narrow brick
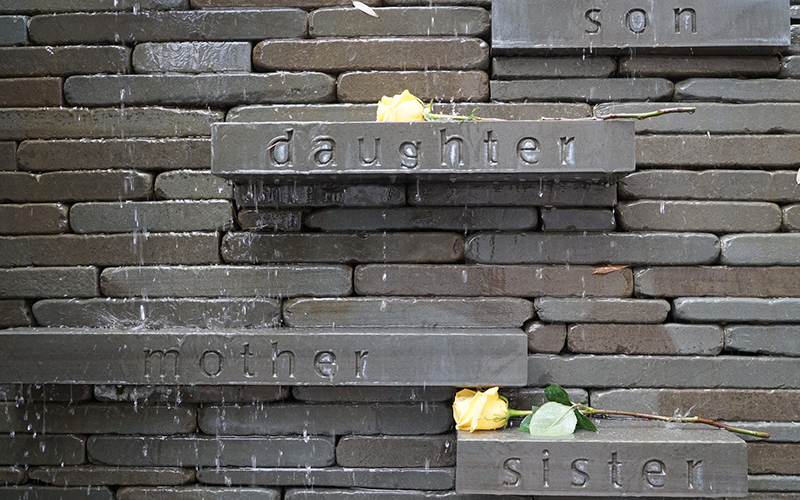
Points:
[99,475]
[50,6]
[718,281]
[33,218]
[42,450]
[453,86]
[88,185]
[30,92]
[399,21]
[64,60]
[151,216]
[40,282]
[15,312]
[397,451]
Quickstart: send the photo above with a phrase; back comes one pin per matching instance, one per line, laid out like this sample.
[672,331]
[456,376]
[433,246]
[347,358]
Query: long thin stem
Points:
[588,410]
[642,116]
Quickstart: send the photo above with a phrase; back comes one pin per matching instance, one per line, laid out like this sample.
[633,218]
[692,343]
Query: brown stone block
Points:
[34,218]
[705,281]
[30,92]
[452,86]
[676,67]
[338,54]
[547,338]
[773,458]
[665,339]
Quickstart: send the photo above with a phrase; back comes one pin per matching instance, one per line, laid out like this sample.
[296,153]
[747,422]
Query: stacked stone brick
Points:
[110,218]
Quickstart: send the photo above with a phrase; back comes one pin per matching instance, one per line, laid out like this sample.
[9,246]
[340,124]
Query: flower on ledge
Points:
[482,410]
[403,107]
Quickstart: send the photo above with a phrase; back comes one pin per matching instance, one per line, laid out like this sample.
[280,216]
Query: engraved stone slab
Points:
[391,357]
[519,25]
[473,150]
[340,477]
[619,460]
[268,220]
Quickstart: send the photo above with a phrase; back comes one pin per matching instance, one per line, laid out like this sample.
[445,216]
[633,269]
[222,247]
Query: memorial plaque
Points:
[474,150]
[757,26]
[287,356]
[637,459]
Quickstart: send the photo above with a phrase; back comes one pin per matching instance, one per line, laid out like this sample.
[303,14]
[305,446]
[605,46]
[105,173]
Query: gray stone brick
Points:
[619,248]
[33,218]
[8,156]
[760,249]
[34,492]
[261,195]
[50,6]
[720,151]
[664,339]
[454,86]
[471,280]
[14,474]
[411,218]
[399,21]
[34,283]
[708,216]
[153,216]
[319,394]
[591,90]
[189,394]
[96,419]
[15,312]
[575,194]
[545,338]
[338,55]
[139,154]
[61,393]
[13,30]
[530,68]
[718,281]
[407,312]
[590,371]
[735,90]
[483,3]
[303,4]
[526,397]
[736,309]
[576,219]
[397,451]
[748,185]
[677,67]
[587,310]
[42,450]
[57,123]
[362,247]
[109,249]
[790,67]
[167,26]
[366,112]
[379,478]
[772,458]
[199,493]
[192,185]
[718,404]
[228,281]
[64,61]
[795,46]
[86,185]
[781,340]
[198,90]
[339,494]
[211,451]
[771,482]
[787,432]
[99,475]
[270,220]
[158,313]
[30,92]
[192,57]
[791,218]
[326,419]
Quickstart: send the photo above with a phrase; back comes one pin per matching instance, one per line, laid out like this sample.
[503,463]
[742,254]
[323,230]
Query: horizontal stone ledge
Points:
[166,26]
[722,281]
[410,218]
[635,459]
[561,194]
[138,154]
[489,280]
[339,477]
[227,281]
[81,185]
[198,492]
[720,151]
[211,451]
[530,68]
[640,248]
[79,123]
[745,185]
[190,394]
[309,151]
[738,90]
[673,339]
[399,21]
[594,371]
[269,220]
[199,90]
[317,357]
[363,494]
[589,90]
[151,216]
[50,6]
[679,67]
[737,310]
[773,482]
[101,475]
[779,340]
[259,194]
[372,394]
[64,60]
[714,118]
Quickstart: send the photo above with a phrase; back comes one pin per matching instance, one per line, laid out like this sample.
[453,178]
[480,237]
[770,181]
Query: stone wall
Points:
[111,220]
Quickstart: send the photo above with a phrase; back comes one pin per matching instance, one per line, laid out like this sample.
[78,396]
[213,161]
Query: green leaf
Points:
[584,422]
[524,426]
[552,419]
[556,393]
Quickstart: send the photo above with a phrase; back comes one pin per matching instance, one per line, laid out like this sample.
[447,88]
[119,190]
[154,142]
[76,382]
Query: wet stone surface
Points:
[664,339]
[339,477]
[58,450]
[543,337]
[258,194]
[410,218]
[782,340]
[99,475]
[198,493]
[32,283]
[372,394]
[455,86]
[151,216]
[574,310]
[192,185]
[718,281]
[189,394]
[396,451]
[528,68]
[192,57]
[87,185]
[591,90]
[33,218]
[400,21]
[64,60]
[55,493]
[711,185]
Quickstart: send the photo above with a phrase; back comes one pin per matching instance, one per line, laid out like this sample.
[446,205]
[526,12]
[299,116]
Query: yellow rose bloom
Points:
[403,107]
[480,410]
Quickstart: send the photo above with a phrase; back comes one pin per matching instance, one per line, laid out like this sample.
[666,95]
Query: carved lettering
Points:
[211,363]
[246,355]
[567,150]
[593,17]
[580,478]
[511,473]
[614,470]
[490,147]
[325,364]
[685,18]
[153,357]
[452,146]
[694,475]
[654,473]
[322,154]
[374,161]
[279,150]
[276,356]
[545,469]
[409,154]
[636,21]
[361,364]
[528,150]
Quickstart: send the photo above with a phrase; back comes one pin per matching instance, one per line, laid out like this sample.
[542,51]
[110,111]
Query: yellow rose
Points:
[400,108]
[480,410]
